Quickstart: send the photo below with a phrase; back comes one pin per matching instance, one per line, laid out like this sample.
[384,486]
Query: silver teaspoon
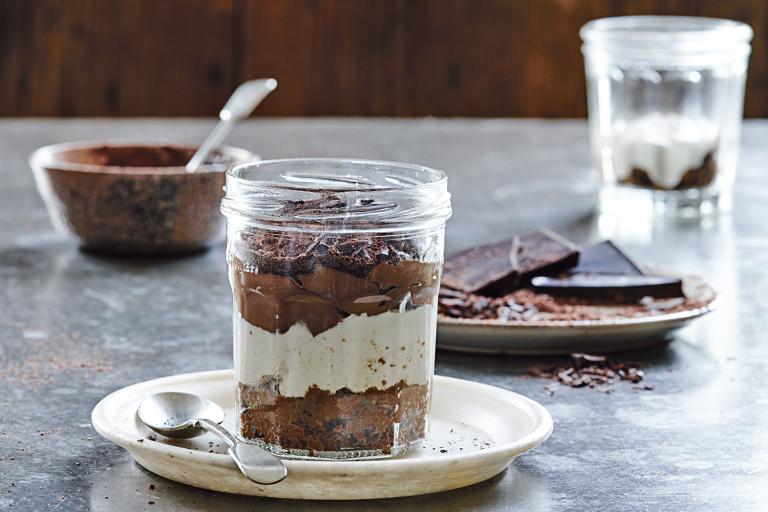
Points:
[183,415]
[239,106]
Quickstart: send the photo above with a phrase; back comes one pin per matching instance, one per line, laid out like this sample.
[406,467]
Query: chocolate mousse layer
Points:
[322,421]
[285,279]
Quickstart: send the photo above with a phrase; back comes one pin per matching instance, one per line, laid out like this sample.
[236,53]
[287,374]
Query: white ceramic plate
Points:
[476,431]
[566,336]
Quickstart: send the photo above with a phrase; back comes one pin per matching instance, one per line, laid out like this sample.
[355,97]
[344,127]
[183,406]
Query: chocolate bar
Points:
[496,269]
[613,287]
[605,258]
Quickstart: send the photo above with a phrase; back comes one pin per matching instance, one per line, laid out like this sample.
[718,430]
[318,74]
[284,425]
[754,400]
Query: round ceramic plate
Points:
[567,336]
[476,431]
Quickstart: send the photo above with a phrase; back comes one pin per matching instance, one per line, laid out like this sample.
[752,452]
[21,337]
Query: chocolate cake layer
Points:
[500,268]
[322,421]
[610,287]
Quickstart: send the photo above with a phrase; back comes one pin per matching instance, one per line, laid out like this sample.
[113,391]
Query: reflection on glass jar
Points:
[335,268]
[665,97]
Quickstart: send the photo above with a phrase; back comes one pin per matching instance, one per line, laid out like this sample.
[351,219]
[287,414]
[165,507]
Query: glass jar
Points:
[665,96]
[335,269]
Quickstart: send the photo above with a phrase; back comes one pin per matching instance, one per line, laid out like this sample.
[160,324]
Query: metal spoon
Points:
[239,106]
[182,415]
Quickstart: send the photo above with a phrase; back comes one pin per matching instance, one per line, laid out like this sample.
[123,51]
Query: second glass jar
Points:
[665,97]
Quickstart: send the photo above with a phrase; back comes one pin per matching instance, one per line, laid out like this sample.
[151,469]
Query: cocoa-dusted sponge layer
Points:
[321,421]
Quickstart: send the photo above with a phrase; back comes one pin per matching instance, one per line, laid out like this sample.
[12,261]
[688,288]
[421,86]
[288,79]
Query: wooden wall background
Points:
[331,57]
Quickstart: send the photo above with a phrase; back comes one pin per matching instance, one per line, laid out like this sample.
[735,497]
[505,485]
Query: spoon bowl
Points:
[174,414]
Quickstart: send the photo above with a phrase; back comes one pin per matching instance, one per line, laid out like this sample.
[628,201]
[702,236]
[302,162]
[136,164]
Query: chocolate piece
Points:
[605,258]
[376,419]
[610,287]
[502,267]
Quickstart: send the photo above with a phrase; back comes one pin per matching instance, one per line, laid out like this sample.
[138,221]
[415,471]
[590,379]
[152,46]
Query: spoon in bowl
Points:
[238,107]
[183,415]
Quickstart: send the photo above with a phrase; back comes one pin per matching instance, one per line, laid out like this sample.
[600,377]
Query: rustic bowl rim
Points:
[45,157]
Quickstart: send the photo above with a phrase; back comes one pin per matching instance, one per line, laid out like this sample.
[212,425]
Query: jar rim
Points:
[688,32]
[341,184]
[336,195]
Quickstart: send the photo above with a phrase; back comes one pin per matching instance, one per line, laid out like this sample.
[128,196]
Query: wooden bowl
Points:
[133,198]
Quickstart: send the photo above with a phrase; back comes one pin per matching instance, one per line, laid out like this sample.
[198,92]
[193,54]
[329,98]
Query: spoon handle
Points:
[239,106]
[214,139]
[256,463]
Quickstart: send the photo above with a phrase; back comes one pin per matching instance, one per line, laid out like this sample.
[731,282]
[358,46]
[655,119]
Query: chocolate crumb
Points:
[528,305]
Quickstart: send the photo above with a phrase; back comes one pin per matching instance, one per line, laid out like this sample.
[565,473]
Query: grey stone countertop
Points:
[74,327]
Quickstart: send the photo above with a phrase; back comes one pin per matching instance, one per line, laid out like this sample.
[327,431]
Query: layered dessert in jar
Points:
[335,270]
[666,152]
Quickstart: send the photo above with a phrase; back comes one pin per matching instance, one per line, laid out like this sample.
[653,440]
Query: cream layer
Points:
[358,353]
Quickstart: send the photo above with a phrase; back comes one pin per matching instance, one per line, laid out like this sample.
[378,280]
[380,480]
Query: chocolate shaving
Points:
[528,305]
[590,371]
